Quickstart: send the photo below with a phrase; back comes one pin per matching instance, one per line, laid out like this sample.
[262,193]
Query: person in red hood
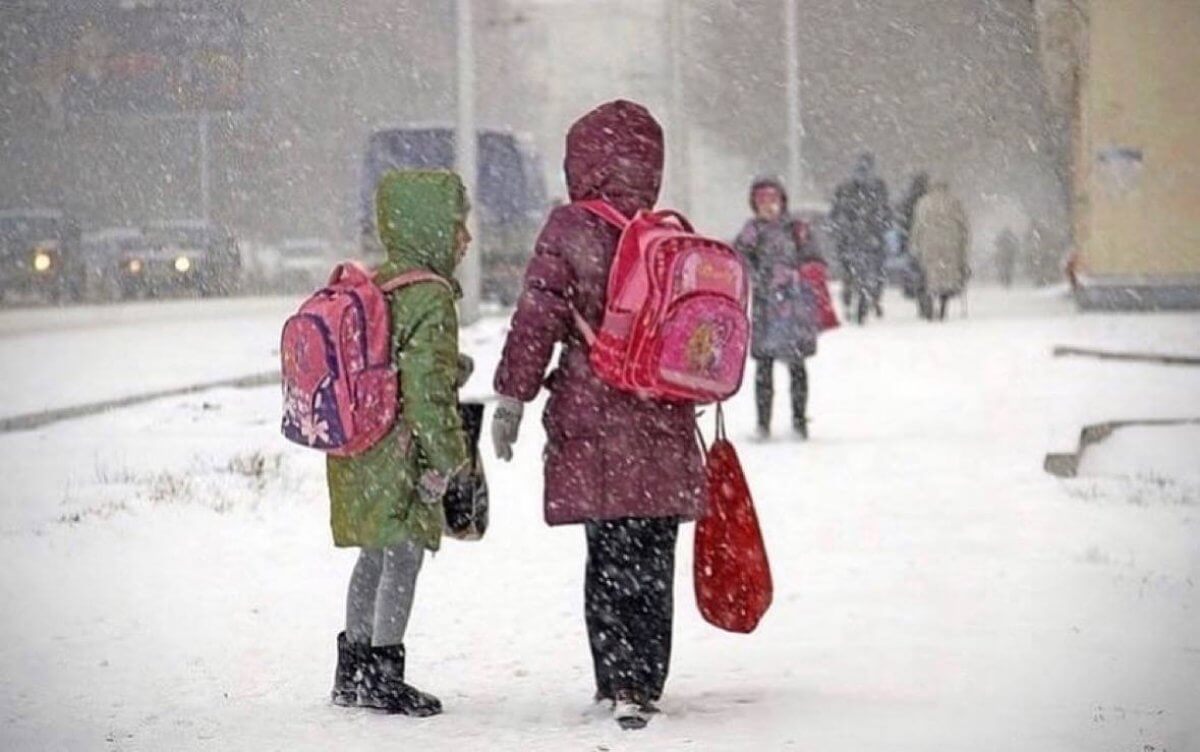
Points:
[628,469]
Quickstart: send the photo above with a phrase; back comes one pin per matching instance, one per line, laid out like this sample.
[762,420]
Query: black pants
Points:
[927,307]
[764,391]
[628,602]
[863,283]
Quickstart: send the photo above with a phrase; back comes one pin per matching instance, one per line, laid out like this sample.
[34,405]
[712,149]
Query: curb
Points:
[1066,464]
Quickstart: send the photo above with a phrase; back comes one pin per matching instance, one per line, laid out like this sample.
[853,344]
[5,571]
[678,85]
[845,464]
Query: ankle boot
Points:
[347,678]
[800,426]
[384,687]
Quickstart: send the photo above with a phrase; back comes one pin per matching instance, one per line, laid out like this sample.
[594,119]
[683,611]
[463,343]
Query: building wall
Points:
[1140,151]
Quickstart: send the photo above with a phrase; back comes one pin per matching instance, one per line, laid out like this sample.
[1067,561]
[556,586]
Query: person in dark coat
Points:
[776,245]
[628,469]
[860,217]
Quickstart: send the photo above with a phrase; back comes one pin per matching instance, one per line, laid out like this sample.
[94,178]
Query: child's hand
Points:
[431,487]
[466,367]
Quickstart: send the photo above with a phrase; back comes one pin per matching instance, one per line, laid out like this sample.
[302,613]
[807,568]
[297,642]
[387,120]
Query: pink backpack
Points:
[339,383]
[675,325]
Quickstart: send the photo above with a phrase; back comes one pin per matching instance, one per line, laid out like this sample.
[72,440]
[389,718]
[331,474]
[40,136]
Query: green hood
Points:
[417,213]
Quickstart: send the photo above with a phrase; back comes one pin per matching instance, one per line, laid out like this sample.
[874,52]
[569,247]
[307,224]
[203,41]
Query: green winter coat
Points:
[374,498]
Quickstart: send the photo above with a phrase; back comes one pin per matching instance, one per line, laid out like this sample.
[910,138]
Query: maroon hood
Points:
[615,152]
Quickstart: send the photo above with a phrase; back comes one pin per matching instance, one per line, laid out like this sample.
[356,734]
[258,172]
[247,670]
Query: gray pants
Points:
[381,594]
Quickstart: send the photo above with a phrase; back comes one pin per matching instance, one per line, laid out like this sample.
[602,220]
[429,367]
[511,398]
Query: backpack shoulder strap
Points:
[585,329]
[605,211]
[413,277]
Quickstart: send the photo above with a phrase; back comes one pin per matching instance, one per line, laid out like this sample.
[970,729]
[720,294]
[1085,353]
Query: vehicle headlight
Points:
[182,264]
[42,261]
[135,266]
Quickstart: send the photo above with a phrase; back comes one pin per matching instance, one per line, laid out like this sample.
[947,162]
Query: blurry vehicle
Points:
[39,256]
[182,256]
[103,252]
[304,264]
[509,196]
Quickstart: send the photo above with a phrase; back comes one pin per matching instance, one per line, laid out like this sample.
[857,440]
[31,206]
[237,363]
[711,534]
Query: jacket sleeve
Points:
[543,316]
[427,358]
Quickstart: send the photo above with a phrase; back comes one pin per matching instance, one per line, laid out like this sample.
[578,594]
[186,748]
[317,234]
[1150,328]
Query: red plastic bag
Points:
[732,575]
[813,275]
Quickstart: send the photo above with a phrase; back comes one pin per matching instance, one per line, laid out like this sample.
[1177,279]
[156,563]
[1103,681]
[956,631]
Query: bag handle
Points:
[347,270]
[665,214]
[614,217]
[718,433]
[412,278]
[605,211]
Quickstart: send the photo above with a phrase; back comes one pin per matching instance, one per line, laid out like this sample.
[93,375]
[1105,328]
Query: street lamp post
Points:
[795,127]
[465,147]
[680,172]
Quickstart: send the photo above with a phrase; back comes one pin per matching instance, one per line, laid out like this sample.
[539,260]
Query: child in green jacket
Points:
[388,500]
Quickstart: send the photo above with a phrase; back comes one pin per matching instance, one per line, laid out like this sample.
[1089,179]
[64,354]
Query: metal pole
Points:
[465,146]
[795,127]
[681,186]
[205,184]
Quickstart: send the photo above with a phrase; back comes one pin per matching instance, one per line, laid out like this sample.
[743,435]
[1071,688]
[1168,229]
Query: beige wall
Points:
[1141,92]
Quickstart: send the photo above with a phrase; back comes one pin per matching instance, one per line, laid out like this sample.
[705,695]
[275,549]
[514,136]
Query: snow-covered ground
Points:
[1169,451]
[52,358]
[168,582]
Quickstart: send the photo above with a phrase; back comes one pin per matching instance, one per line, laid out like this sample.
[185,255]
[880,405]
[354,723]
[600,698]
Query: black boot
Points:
[384,687]
[347,679]
[764,395]
[799,374]
[800,426]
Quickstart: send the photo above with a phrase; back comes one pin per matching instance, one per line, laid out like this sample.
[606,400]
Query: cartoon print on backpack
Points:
[702,350]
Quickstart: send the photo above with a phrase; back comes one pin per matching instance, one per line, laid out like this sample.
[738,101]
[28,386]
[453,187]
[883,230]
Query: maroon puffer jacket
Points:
[609,454]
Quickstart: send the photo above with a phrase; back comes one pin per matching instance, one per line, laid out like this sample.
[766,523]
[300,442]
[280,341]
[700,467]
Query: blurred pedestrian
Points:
[860,217]
[1007,250]
[628,469]
[776,244]
[939,239]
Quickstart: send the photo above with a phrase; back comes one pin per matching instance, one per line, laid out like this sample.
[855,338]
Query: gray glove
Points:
[431,487]
[506,424]
[466,366]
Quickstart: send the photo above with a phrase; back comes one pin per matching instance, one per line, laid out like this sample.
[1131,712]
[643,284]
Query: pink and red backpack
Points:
[339,383]
[675,325]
